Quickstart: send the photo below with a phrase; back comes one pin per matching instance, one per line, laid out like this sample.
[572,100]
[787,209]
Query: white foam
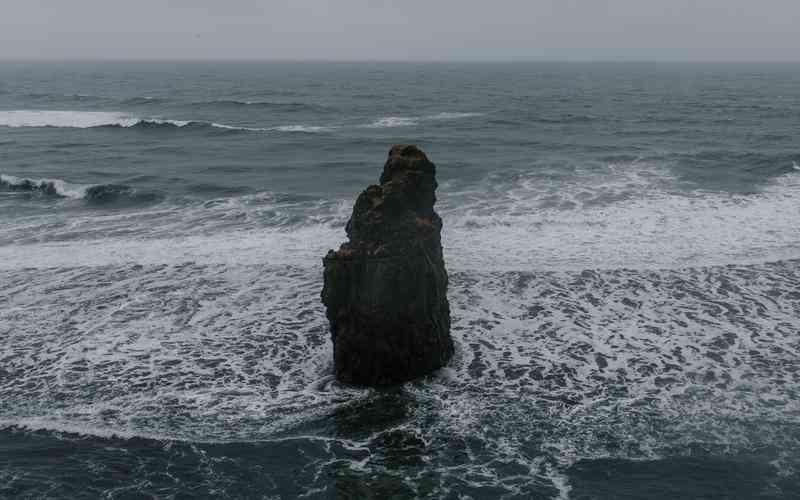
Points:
[393,121]
[237,349]
[65,119]
[408,121]
[560,481]
[219,334]
[303,247]
[90,119]
[231,127]
[66,427]
[302,128]
[629,218]
[310,129]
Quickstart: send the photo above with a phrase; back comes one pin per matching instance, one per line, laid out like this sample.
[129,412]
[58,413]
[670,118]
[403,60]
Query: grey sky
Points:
[401,29]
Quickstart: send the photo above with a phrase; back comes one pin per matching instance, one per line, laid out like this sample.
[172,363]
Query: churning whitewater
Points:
[624,281]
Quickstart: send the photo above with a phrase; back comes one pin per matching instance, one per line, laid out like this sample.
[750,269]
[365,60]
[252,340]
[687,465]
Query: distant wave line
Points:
[407,121]
[97,119]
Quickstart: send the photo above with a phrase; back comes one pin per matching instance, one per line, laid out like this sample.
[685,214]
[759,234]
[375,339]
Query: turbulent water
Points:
[623,242]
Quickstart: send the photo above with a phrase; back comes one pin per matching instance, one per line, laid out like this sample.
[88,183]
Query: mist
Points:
[713,30]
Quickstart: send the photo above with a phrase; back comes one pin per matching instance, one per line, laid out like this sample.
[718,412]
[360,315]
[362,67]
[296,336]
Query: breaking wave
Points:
[99,193]
[629,215]
[97,119]
[78,119]
[620,217]
[53,187]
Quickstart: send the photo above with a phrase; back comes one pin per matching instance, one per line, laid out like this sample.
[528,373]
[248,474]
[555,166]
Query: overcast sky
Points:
[401,29]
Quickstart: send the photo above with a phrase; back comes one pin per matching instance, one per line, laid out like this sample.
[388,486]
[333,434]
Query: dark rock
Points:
[386,288]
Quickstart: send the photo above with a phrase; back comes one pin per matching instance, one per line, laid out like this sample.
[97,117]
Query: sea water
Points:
[623,243]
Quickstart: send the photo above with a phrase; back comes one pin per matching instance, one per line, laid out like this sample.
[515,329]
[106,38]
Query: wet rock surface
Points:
[386,288]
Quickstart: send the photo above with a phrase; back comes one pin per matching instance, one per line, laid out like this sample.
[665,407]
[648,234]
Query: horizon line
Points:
[393,60]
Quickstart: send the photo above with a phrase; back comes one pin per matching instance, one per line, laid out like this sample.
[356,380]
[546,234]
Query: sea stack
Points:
[386,288]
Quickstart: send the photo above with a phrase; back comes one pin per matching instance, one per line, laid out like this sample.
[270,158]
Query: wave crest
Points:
[104,119]
[107,119]
[76,119]
[98,193]
[50,187]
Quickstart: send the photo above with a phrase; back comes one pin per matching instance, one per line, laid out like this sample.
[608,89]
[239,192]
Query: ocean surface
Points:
[623,243]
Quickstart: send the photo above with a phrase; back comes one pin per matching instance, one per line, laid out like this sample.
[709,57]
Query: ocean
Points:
[622,239]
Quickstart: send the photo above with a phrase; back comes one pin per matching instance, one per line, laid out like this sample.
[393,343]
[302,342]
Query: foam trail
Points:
[311,129]
[393,121]
[92,119]
[656,229]
[72,119]
[297,247]
[408,121]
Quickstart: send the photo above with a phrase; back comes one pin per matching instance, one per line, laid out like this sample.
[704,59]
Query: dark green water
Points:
[622,239]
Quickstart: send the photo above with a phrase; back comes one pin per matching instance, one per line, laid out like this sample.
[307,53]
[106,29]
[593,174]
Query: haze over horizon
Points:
[682,30]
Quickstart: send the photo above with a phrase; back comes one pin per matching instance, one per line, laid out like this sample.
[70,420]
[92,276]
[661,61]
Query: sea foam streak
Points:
[74,119]
[408,121]
[93,119]
[517,227]
[393,121]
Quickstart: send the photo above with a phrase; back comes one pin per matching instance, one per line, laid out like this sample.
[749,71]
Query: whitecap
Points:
[408,121]
[301,128]
[64,119]
[57,186]
[393,121]
[78,119]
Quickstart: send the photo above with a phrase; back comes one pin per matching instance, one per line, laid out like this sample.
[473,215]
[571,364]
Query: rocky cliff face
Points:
[386,288]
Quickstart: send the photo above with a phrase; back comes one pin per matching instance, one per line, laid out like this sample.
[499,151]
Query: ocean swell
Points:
[105,119]
[77,119]
[96,194]
[51,187]
[109,119]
